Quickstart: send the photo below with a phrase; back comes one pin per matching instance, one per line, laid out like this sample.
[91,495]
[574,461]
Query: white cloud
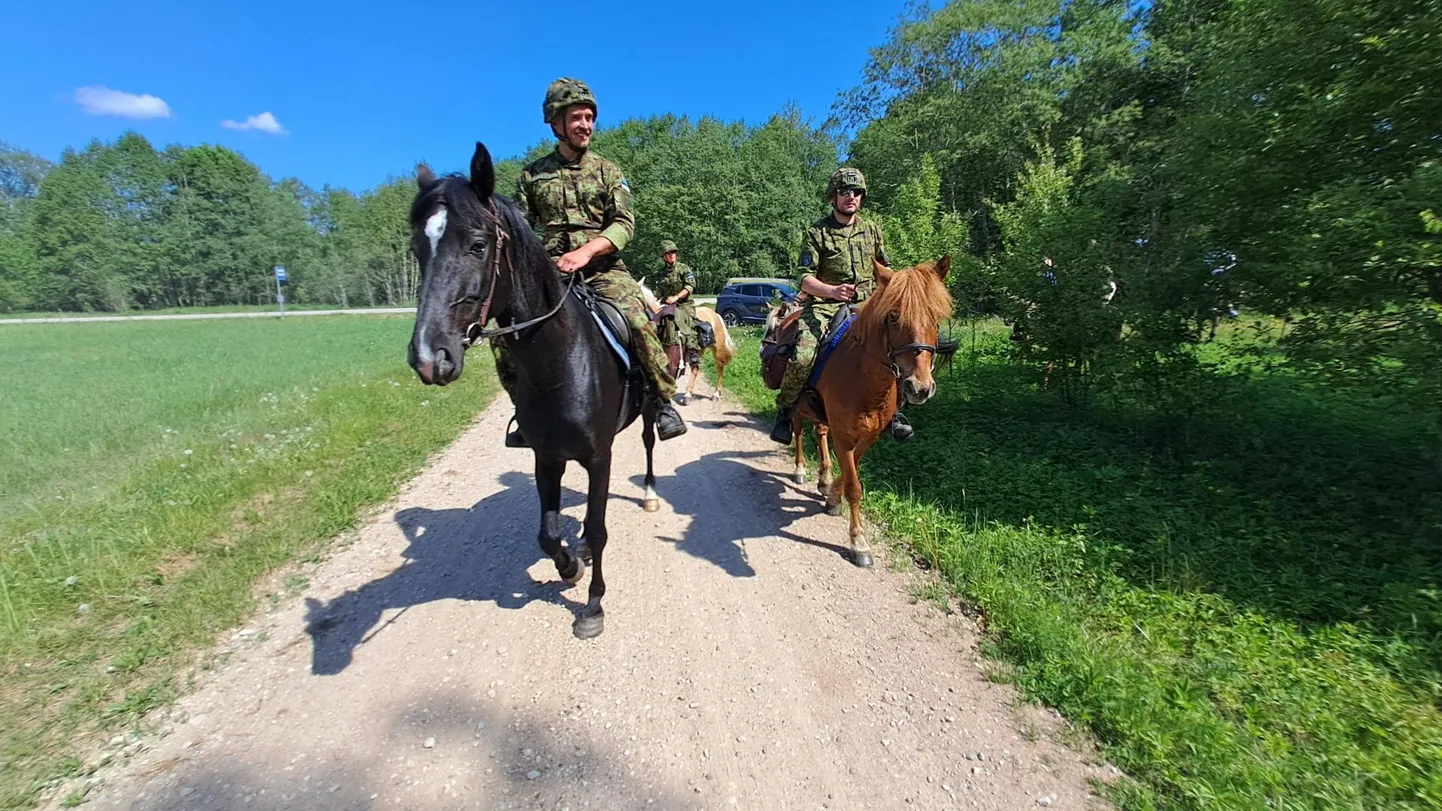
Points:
[265,122]
[100,100]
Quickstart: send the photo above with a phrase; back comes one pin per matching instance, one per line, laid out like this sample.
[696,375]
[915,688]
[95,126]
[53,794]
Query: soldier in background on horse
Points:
[836,273]
[676,286]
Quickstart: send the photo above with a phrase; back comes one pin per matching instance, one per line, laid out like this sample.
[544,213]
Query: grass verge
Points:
[1253,620]
[150,473]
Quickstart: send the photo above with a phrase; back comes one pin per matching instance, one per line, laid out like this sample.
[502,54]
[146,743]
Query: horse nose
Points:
[445,368]
[435,366]
[917,393]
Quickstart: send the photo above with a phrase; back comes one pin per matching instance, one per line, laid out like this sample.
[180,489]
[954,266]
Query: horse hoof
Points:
[651,505]
[799,477]
[589,627]
[861,559]
[833,509]
[579,573]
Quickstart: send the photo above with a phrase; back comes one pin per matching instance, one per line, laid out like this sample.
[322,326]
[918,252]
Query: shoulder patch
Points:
[625,185]
[806,259]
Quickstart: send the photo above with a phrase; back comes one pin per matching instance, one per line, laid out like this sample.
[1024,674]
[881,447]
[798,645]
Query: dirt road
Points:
[745,663]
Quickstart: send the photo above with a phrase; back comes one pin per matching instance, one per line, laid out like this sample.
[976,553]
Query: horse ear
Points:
[483,173]
[424,176]
[942,266]
[883,273]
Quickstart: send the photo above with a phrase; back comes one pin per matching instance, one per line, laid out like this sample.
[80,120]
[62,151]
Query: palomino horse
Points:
[722,350]
[479,260]
[893,339]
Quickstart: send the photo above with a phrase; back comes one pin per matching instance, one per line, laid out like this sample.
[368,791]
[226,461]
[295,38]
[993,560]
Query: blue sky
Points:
[360,91]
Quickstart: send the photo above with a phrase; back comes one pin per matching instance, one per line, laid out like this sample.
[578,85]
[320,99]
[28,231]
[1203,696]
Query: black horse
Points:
[479,260]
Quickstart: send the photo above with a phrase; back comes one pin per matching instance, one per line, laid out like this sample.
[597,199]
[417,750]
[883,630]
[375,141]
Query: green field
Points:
[219,309]
[1247,613]
[151,472]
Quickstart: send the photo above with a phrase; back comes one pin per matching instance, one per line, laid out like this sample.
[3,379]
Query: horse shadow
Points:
[480,553]
[722,522]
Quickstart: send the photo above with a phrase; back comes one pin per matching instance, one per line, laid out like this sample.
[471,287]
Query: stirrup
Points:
[781,431]
[515,439]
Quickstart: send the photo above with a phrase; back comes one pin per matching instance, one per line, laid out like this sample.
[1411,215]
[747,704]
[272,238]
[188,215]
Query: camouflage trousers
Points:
[680,330]
[617,286]
[814,320]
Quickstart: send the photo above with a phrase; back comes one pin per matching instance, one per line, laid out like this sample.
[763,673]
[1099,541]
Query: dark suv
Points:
[747,301]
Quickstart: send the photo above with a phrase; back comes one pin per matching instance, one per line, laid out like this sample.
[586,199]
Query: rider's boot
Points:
[669,424]
[781,431]
[901,429]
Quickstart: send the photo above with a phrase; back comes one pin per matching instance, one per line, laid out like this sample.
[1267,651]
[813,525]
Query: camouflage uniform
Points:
[682,329]
[834,254]
[571,203]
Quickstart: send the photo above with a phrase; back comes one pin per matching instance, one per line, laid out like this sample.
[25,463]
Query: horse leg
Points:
[823,481]
[548,485]
[720,372]
[851,481]
[590,621]
[798,439]
[652,502]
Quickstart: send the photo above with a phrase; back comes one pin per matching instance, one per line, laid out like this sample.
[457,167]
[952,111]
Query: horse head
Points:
[457,234]
[903,319]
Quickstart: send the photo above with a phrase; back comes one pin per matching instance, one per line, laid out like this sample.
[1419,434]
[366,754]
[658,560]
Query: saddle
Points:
[617,331]
[779,343]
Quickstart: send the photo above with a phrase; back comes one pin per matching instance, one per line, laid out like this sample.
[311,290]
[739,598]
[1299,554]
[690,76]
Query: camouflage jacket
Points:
[842,254]
[672,279]
[572,202]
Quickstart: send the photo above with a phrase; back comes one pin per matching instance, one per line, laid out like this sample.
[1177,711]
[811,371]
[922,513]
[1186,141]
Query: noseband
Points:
[893,351]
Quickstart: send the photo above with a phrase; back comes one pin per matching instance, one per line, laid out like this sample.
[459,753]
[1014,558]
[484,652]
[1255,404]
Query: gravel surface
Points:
[429,662]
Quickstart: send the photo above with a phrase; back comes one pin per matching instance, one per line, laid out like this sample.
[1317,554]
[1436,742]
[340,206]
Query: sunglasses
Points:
[852,193]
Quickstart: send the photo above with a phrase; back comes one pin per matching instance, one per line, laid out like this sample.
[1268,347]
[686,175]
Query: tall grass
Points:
[1250,619]
[151,472]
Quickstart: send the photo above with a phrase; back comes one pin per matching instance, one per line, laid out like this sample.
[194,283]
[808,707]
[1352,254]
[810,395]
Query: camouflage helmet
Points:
[845,178]
[562,94]
[667,246]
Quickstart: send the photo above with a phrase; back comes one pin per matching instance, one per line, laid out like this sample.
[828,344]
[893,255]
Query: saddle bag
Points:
[777,347]
[705,334]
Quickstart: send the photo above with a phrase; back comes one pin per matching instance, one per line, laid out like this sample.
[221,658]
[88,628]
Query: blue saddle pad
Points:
[828,345]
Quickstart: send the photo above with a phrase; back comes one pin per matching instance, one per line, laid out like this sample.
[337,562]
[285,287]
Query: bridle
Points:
[893,351]
[477,332]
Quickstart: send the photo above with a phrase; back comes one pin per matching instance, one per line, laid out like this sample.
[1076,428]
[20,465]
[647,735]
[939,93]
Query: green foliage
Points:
[120,226]
[116,226]
[1252,621]
[130,537]
[916,226]
[1294,146]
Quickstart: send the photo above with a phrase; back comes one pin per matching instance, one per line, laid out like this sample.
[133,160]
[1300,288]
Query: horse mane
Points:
[917,297]
[455,193]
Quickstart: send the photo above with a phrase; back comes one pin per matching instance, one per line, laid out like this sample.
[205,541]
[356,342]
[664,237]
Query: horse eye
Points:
[479,246]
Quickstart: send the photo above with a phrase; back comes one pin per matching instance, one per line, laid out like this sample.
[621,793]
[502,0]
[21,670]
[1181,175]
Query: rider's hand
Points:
[573,261]
[843,292]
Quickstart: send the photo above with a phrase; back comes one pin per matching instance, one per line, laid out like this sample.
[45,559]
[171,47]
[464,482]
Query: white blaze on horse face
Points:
[436,228]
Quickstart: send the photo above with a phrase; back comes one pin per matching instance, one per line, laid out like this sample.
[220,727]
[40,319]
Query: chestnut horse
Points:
[890,346]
